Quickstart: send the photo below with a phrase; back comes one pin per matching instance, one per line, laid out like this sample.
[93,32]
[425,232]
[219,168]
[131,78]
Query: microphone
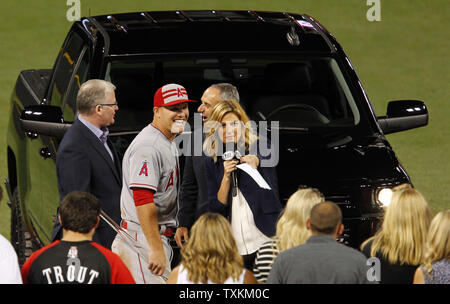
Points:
[229,155]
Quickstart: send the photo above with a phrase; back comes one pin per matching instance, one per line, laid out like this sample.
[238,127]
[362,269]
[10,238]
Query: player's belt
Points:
[163,229]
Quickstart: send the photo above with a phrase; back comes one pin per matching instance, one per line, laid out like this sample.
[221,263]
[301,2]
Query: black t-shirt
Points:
[84,262]
[392,273]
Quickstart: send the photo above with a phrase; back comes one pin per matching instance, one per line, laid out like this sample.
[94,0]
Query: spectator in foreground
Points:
[211,255]
[321,260]
[400,242]
[76,259]
[9,264]
[291,230]
[436,266]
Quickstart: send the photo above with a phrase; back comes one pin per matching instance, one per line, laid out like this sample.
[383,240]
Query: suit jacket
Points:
[193,191]
[264,204]
[83,164]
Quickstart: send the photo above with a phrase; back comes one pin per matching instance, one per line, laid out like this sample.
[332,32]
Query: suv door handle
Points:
[45,153]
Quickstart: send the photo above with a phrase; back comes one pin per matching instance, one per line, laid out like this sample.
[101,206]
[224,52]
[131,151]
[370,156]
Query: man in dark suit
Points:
[86,160]
[193,200]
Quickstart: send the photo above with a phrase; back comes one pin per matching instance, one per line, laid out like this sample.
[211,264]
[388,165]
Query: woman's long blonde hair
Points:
[211,252]
[402,236]
[219,111]
[291,226]
[438,240]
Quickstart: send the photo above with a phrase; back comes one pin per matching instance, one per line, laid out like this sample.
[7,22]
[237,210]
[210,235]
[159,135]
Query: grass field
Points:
[404,56]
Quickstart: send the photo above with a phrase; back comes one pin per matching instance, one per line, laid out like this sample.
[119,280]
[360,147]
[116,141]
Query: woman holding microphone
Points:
[252,210]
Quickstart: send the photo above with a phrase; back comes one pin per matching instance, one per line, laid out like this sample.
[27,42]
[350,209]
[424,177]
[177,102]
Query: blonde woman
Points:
[436,266]
[291,230]
[253,210]
[400,242]
[210,256]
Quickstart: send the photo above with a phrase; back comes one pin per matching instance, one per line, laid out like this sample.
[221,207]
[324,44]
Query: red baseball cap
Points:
[169,95]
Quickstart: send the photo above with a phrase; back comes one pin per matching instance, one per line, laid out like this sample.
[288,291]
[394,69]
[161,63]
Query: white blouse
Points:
[248,237]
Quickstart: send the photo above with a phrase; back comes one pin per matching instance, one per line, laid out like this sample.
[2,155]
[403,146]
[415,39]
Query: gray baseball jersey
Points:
[151,162]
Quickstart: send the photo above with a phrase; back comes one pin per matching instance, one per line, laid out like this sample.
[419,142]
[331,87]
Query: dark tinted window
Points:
[78,79]
[65,66]
[298,92]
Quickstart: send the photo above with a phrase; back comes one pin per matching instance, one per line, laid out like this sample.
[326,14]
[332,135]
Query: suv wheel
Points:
[20,237]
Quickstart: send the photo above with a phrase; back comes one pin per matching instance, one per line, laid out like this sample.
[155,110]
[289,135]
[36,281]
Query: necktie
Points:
[103,139]
[104,135]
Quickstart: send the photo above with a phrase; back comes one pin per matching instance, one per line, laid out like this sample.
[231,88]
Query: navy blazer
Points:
[83,164]
[193,191]
[265,204]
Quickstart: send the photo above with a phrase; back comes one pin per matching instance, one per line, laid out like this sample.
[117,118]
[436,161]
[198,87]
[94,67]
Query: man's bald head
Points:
[325,218]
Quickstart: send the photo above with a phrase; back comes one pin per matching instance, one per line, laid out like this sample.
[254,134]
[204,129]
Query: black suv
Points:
[288,69]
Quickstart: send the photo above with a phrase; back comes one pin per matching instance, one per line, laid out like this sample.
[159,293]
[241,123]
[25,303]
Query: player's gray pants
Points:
[136,259]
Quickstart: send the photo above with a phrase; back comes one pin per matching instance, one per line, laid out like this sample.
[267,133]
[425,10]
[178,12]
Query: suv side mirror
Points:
[403,115]
[44,120]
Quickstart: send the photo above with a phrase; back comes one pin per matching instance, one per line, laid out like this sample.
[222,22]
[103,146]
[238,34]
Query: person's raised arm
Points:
[228,167]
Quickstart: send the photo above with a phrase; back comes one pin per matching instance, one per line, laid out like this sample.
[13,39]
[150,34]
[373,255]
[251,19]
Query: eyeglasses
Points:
[108,104]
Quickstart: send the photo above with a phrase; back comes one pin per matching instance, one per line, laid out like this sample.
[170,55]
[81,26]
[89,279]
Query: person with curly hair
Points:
[436,266]
[210,256]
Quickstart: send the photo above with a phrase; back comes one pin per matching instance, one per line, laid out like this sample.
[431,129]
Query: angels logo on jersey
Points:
[170,182]
[73,252]
[144,169]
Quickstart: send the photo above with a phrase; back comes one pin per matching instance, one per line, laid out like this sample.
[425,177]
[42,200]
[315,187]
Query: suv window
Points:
[297,92]
[80,76]
[67,60]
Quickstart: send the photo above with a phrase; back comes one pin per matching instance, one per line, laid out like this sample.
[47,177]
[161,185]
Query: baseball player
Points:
[149,199]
